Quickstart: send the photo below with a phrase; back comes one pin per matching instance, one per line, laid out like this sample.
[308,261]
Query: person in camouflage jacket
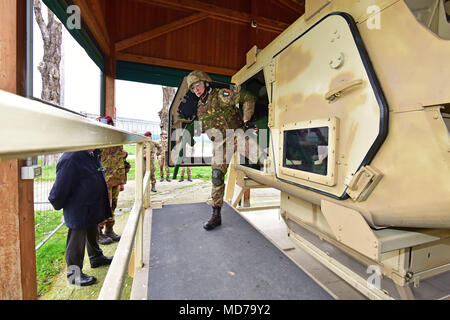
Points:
[217,112]
[155,151]
[163,166]
[113,161]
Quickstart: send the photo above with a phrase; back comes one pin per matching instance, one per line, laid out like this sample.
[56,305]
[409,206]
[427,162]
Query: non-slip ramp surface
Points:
[231,262]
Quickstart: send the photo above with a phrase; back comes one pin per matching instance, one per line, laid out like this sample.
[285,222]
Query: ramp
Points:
[232,262]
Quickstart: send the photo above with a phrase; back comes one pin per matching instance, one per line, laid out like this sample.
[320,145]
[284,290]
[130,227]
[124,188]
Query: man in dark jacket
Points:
[80,190]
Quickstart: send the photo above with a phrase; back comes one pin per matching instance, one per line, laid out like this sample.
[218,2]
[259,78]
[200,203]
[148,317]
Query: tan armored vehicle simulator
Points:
[356,99]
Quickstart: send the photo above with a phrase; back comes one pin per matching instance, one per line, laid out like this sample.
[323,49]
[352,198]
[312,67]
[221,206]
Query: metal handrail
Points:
[113,284]
[29,128]
[48,237]
[133,233]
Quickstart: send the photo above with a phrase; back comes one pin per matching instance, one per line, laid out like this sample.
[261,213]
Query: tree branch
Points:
[40,21]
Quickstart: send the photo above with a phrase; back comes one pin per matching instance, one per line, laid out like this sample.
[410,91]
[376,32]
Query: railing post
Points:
[139,171]
[147,201]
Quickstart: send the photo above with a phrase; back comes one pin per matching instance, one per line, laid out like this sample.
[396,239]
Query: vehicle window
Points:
[306,150]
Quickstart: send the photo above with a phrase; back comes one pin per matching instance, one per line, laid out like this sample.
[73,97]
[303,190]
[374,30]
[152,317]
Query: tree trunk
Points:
[168,95]
[49,67]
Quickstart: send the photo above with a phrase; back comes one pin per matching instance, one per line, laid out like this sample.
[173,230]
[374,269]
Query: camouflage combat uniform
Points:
[113,162]
[162,158]
[183,170]
[155,151]
[220,112]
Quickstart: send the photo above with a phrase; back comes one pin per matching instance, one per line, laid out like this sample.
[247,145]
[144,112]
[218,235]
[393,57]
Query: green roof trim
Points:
[82,36]
[150,74]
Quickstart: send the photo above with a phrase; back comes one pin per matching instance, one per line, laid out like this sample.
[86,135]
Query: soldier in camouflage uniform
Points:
[217,110]
[113,162]
[183,170]
[162,157]
[189,152]
[155,151]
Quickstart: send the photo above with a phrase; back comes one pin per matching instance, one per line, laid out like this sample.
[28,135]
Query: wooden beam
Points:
[154,33]
[292,5]
[100,14]
[253,32]
[277,32]
[17,240]
[110,85]
[90,15]
[110,62]
[216,11]
[174,64]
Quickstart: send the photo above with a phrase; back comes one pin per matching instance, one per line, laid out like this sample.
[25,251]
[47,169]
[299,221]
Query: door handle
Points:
[333,94]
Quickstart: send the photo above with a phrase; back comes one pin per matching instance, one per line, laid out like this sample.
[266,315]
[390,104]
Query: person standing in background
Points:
[189,172]
[155,151]
[80,190]
[163,166]
[113,161]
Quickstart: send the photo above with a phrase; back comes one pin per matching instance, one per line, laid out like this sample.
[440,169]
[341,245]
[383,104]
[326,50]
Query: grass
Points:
[48,173]
[201,173]
[130,148]
[50,257]
[51,267]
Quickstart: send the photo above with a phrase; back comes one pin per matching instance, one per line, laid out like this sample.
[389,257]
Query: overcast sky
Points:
[81,78]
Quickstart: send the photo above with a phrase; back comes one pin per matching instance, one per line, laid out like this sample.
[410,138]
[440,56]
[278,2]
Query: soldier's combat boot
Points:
[154,187]
[215,221]
[181,179]
[189,179]
[109,232]
[103,239]
[168,179]
[162,179]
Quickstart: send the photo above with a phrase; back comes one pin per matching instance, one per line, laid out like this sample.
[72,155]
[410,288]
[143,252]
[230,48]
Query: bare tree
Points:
[49,67]
[168,95]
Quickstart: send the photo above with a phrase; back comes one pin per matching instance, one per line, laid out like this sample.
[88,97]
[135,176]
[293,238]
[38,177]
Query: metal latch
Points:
[363,182]
[337,92]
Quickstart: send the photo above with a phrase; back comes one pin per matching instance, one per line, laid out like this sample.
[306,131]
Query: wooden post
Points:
[246,198]
[17,255]
[110,78]
[110,62]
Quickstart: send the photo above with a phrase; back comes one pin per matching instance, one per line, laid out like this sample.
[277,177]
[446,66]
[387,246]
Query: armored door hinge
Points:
[362,183]
[271,118]
[269,72]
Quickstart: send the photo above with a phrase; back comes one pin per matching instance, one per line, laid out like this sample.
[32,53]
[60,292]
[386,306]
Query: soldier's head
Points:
[198,81]
[164,134]
[148,134]
[107,120]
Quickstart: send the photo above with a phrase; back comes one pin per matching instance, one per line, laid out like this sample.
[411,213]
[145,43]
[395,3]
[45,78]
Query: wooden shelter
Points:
[153,41]
[159,41]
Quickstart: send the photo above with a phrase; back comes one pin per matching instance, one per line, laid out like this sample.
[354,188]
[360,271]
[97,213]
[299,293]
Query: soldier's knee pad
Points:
[217,177]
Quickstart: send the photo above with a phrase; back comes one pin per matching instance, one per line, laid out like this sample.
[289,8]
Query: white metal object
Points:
[31,172]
